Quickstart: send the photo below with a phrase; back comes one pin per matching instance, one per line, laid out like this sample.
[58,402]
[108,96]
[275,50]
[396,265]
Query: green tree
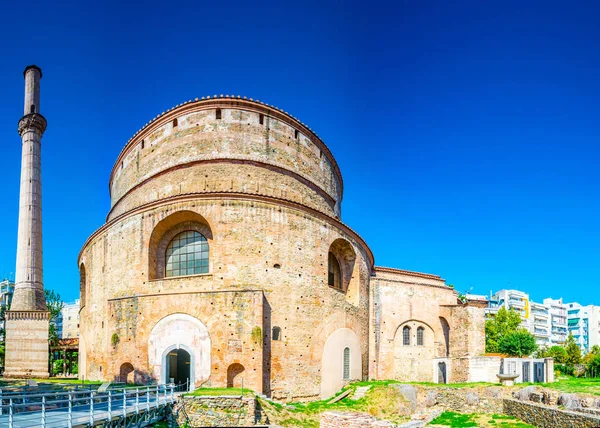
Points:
[505,322]
[558,353]
[593,368]
[589,357]
[55,305]
[573,351]
[519,343]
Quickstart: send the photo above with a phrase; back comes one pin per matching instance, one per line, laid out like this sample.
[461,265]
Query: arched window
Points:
[334,278]
[276,333]
[406,335]
[346,374]
[420,335]
[187,254]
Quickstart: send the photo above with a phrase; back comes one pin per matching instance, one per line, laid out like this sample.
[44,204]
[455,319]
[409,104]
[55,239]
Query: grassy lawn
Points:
[574,385]
[460,420]
[219,391]
[20,382]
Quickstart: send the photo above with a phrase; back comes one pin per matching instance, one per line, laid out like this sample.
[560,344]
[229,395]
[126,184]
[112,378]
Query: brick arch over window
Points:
[82,284]
[167,229]
[342,252]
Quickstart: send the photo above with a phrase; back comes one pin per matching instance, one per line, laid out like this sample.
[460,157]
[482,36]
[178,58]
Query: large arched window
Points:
[187,254]
[82,285]
[346,373]
[334,278]
[406,335]
[420,336]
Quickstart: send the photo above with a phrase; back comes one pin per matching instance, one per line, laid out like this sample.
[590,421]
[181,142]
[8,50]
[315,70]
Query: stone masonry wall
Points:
[199,136]
[255,246]
[547,417]
[222,411]
[403,298]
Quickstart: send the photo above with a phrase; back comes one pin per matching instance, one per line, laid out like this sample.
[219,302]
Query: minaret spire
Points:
[27,321]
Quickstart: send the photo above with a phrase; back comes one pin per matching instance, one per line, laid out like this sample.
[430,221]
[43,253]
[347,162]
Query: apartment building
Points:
[67,325]
[7,289]
[584,323]
[539,321]
[558,321]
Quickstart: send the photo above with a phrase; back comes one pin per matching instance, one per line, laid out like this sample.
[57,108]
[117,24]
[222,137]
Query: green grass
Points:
[460,420]
[219,391]
[453,419]
[20,382]
[574,385]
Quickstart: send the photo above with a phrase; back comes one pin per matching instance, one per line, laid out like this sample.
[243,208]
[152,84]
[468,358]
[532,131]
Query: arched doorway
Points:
[234,378]
[178,366]
[126,374]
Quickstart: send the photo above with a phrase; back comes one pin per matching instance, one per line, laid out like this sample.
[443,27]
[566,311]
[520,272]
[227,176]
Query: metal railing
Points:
[81,407]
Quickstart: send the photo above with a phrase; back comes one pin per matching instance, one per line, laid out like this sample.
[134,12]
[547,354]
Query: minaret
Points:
[27,321]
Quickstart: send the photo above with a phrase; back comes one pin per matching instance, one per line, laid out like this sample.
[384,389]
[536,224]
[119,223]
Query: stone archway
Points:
[234,380]
[339,366]
[126,373]
[175,332]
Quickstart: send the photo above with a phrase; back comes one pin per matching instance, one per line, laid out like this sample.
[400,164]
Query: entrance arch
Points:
[179,368]
[234,380]
[126,373]
[176,334]
[341,361]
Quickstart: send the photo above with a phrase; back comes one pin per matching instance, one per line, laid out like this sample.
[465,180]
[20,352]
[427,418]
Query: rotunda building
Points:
[224,259]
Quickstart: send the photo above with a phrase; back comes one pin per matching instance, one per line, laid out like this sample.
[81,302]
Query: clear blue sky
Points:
[467,134]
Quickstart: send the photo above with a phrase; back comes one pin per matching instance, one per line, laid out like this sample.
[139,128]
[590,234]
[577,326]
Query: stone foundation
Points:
[215,411]
[547,417]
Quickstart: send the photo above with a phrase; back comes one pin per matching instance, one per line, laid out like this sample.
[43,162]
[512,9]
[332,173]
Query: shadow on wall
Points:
[129,375]
[267,347]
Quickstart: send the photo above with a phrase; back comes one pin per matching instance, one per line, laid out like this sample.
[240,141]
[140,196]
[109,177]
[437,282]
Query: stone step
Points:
[360,392]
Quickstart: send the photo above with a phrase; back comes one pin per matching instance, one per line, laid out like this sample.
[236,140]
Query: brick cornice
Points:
[309,183]
[233,196]
[407,272]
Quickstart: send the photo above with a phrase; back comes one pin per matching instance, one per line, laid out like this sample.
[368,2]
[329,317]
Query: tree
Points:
[505,322]
[590,356]
[573,351]
[517,343]
[594,365]
[558,353]
[55,306]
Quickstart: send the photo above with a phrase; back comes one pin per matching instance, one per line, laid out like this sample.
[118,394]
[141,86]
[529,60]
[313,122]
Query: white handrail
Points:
[77,403]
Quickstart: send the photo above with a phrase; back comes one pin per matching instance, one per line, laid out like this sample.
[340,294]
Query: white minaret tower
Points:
[28,319]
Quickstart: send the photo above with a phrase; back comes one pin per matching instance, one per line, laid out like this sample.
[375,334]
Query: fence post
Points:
[1,404]
[137,401]
[92,408]
[157,396]
[109,406]
[124,406]
[43,411]
[10,413]
[148,399]
[70,414]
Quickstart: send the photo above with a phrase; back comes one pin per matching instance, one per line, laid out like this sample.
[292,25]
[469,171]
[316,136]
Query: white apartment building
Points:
[517,301]
[558,321]
[539,322]
[584,323]
[67,324]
